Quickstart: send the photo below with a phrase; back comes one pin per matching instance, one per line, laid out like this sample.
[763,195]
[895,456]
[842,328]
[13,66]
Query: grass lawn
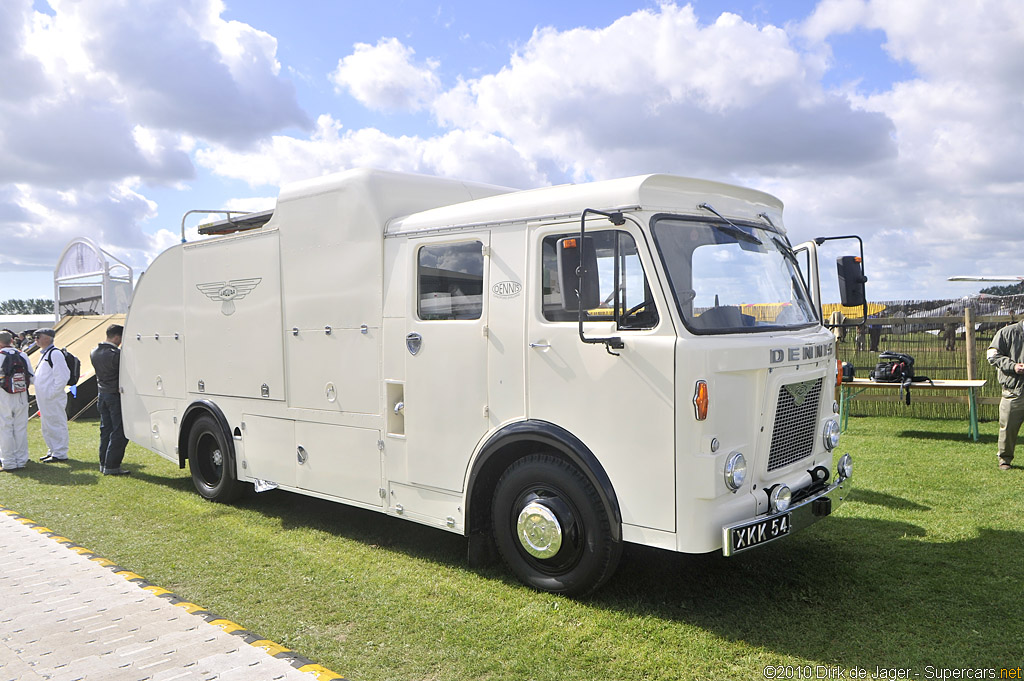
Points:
[923,567]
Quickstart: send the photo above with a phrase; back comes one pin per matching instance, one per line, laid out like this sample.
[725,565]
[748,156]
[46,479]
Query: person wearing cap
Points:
[14,409]
[52,374]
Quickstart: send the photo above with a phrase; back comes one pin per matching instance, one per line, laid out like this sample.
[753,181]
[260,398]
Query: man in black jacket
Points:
[106,360]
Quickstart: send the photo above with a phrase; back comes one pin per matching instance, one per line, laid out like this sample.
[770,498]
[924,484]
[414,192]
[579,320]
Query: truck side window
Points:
[450,281]
[633,307]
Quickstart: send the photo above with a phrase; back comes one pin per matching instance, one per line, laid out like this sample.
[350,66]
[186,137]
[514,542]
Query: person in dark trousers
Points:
[106,360]
[874,336]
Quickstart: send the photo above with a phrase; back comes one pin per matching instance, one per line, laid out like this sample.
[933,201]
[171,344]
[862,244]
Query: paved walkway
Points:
[68,615]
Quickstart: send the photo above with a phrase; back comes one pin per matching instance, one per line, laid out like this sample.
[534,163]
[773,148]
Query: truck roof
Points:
[408,203]
[389,194]
[647,192]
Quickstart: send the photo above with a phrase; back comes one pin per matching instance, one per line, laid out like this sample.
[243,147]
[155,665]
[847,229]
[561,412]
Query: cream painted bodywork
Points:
[314,355]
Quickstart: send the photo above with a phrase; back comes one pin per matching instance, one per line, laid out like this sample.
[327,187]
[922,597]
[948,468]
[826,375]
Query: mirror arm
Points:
[618,220]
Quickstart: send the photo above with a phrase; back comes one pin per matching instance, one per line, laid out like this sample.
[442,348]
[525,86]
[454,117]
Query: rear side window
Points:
[450,281]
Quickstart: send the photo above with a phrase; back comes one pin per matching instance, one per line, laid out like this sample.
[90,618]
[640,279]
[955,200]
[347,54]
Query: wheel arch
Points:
[192,413]
[523,438]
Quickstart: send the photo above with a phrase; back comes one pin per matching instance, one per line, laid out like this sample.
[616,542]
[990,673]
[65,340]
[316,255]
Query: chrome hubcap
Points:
[539,530]
[217,457]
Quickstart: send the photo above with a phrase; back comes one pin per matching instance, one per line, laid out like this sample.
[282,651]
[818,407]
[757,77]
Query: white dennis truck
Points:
[562,369]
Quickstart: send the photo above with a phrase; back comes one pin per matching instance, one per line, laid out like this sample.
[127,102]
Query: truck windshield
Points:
[732,278]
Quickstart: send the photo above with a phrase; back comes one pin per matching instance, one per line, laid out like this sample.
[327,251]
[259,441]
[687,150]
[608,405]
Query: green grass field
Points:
[923,568]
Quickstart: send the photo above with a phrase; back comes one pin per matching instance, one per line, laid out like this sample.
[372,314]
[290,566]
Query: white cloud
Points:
[834,16]
[384,77]
[86,80]
[653,91]
[108,97]
[37,223]
[464,154]
[23,74]
[179,66]
[952,199]
[656,90]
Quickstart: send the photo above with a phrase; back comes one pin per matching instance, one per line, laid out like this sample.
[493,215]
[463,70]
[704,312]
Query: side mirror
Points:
[851,280]
[571,255]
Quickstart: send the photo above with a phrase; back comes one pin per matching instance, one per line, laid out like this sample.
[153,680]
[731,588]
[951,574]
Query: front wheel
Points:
[551,527]
[210,460]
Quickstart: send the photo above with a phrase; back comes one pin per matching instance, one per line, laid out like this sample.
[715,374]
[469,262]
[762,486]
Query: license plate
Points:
[759,532]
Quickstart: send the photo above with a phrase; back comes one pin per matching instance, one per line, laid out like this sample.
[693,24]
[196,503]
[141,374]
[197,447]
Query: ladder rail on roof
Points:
[229,224]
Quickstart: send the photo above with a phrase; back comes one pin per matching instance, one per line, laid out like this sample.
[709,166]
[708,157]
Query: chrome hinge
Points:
[380,445]
[381,492]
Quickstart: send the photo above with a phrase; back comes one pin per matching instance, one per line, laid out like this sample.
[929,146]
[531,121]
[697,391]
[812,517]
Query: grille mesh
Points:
[795,425]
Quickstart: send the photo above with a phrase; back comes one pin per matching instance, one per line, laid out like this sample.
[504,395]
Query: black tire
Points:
[584,554]
[211,462]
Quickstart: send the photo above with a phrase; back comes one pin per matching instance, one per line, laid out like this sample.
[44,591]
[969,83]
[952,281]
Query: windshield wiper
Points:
[786,249]
[732,230]
[764,216]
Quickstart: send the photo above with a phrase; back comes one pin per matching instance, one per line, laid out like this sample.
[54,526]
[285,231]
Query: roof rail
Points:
[229,224]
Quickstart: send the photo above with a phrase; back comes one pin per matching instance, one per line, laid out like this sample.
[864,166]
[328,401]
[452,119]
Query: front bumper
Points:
[761,530]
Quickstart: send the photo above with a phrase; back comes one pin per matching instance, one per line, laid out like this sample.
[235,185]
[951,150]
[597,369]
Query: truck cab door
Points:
[618,401]
[847,289]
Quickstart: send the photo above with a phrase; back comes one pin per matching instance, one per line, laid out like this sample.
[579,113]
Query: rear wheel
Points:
[210,460]
[551,527]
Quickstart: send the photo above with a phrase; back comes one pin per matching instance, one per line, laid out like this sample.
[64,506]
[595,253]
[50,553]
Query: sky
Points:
[901,121]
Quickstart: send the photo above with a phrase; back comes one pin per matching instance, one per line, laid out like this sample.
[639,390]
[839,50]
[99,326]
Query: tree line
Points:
[1011,290]
[27,306]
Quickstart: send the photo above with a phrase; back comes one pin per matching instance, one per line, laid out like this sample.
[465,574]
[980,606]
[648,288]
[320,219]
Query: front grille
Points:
[795,424]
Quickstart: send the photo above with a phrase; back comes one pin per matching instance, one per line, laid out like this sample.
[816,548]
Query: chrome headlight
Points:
[845,466]
[735,470]
[780,498]
[831,434]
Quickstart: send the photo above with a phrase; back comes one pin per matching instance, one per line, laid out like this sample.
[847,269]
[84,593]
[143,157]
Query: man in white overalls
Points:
[14,408]
[52,374]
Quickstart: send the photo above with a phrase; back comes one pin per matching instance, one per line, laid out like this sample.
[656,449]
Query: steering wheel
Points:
[633,309]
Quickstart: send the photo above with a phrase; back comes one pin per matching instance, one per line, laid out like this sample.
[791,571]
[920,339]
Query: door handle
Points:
[540,345]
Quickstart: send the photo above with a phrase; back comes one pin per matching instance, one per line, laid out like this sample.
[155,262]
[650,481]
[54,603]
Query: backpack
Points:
[74,365]
[14,373]
[897,367]
[893,367]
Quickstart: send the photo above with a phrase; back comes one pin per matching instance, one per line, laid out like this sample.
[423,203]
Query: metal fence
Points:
[948,340]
